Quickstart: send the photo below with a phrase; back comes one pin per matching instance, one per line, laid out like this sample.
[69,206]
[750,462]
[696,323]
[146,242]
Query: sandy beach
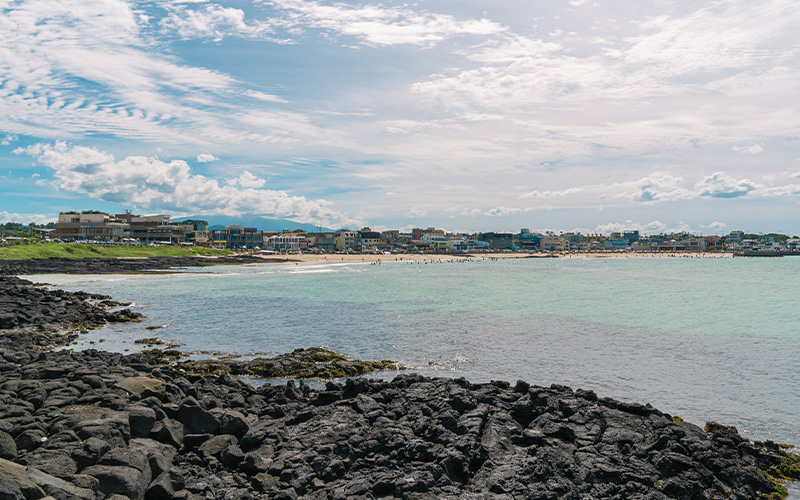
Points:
[318,258]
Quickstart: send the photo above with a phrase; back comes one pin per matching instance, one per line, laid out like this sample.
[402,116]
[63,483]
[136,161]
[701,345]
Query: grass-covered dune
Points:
[84,250]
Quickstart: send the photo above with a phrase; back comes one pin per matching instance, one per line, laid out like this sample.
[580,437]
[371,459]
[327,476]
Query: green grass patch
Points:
[86,250]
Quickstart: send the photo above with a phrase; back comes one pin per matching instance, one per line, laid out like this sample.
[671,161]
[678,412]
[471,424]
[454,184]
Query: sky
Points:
[469,116]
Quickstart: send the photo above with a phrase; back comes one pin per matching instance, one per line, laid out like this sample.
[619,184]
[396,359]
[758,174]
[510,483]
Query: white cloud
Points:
[246,180]
[73,68]
[752,149]
[261,96]
[721,185]
[213,21]
[420,211]
[785,190]
[656,187]
[716,225]
[8,140]
[152,184]
[662,186]
[206,158]
[653,227]
[26,218]
[551,194]
[379,25]
[502,211]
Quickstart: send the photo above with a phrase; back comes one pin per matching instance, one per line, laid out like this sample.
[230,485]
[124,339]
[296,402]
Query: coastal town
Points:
[161,229]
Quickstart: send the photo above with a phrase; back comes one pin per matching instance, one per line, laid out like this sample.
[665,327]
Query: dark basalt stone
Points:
[31,317]
[114,266]
[77,416]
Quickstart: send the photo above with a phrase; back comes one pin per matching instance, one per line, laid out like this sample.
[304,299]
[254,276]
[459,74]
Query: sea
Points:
[706,339]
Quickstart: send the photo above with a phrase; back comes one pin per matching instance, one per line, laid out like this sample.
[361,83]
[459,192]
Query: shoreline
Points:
[92,424]
[122,265]
[333,258]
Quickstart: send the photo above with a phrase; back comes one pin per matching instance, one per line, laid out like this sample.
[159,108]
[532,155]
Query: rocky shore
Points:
[33,317]
[100,425]
[122,265]
[90,425]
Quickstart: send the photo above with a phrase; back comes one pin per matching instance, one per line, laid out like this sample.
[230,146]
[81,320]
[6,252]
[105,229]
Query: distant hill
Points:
[260,223]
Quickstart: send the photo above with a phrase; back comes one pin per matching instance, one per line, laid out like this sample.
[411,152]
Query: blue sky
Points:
[596,116]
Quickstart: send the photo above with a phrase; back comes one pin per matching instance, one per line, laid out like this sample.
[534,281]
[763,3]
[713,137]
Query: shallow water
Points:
[706,339]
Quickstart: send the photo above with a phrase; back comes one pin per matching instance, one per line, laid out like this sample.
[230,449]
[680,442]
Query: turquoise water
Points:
[706,339]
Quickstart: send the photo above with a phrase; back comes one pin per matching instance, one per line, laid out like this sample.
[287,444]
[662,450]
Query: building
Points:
[324,241]
[498,241]
[196,231]
[550,243]
[630,236]
[155,228]
[89,225]
[371,240]
[528,240]
[392,237]
[237,238]
[736,236]
[458,244]
[288,242]
[347,240]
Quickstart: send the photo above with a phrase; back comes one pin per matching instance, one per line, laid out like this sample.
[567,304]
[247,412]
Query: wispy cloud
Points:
[76,69]
[752,149]
[551,194]
[648,227]
[663,186]
[381,25]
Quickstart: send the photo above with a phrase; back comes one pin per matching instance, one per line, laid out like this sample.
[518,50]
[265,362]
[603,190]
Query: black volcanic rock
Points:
[31,315]
[121,265]
[413,437]
[99,425]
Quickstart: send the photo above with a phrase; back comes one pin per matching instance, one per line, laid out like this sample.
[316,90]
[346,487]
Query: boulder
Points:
[168,431]
[9,490]
[141,419]
[160,456]
[215,445]
[33,483]
[234,423]
[122,479]
[143,386]
[196,420]
[165,485]
[8,448]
